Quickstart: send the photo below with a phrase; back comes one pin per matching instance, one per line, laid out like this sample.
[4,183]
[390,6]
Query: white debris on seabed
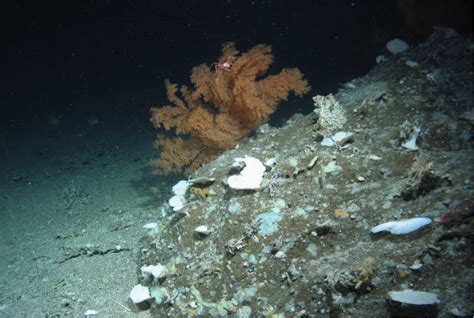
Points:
[411,63]
[327,142]
[402,226]
[413,303]
[251,175]
[90,313]
[178,201]
[410,144]
[414,297]
[270,163]
[139,294]
[338,139]
[280,255]
[150,226]
[181,187]
[342,137]
[158,271]
[202,230]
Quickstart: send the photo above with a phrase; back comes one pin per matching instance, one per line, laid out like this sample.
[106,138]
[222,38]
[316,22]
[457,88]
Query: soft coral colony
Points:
[229,100]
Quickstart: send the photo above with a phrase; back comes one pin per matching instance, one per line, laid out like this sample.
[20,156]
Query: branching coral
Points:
[225,105]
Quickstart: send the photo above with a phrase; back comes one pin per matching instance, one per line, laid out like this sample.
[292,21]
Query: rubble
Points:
[298,244]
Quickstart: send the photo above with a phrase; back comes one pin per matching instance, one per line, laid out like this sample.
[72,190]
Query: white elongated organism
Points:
[402,226]
[158,271]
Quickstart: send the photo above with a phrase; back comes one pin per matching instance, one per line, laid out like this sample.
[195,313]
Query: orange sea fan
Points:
[223,107]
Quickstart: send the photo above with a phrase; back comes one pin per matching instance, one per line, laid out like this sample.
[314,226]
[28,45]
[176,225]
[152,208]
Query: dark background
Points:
[111,57]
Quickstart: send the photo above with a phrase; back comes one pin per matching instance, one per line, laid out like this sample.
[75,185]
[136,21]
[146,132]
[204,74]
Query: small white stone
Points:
[150,226]
[411,63]
[416,266]
[280,255]
[411,143]
[270,162]
[312,162]
[202,229]
[90,312]
[139,294]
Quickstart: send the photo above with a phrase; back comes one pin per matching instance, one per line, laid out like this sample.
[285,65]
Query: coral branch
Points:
[223,107]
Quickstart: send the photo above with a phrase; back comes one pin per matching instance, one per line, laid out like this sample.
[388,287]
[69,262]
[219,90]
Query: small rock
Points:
[150,226]
[397,46]
[90,312]
[158,271]
[342,137]
[202,230]
[412,303]
[411,63]
[139,294]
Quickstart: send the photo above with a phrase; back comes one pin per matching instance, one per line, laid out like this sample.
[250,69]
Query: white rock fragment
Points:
[397,46]
[139,294]
[270,162]
[251,175]
[403,226]
[360,178]
[413,297]
[374,157]
[158,270]
[327,142]
[411,63]
[280,255]
[202,229]
[90,312]
[312,162]
[341,137]
[416,266]
[410,144]
[150,226]
[181,187]
[177,202]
